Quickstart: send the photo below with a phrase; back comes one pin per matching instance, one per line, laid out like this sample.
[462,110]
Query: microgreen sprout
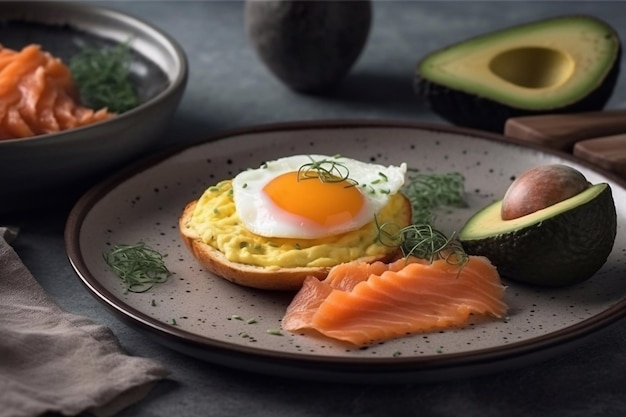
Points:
[138,265]
[326,170]
[423,242]
[430,191]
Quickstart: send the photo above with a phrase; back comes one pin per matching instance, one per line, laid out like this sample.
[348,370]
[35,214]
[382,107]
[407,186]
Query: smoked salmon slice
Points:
[364,303]
[38,95]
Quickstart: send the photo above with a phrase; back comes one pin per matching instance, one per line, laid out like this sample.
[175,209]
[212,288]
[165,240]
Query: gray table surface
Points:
[230,88]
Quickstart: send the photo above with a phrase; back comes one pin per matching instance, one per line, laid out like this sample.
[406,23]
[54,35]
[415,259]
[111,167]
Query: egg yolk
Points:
[325,203]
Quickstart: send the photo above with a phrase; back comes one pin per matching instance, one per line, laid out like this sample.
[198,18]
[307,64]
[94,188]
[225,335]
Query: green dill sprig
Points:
[430,191]
[326,170]
[423,242]
[138,266]
[102,77]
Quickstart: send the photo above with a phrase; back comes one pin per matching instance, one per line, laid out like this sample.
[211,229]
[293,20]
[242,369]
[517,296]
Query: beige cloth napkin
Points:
[54,361]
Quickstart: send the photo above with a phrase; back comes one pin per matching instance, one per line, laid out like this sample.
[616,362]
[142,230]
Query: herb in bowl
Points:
[103,78]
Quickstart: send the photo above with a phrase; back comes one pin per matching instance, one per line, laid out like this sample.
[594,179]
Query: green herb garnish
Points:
[326,170]
[102,77]
[422,242]
[139,266]
[430,191]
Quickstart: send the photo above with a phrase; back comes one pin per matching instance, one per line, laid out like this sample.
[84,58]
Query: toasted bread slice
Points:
[270,278]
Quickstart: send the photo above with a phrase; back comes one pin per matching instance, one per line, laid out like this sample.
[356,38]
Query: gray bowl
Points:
[37,170]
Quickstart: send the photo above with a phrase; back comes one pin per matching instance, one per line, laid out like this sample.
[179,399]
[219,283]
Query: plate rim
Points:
[394,367]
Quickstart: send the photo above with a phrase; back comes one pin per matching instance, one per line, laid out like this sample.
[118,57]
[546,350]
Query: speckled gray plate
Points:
[193,311]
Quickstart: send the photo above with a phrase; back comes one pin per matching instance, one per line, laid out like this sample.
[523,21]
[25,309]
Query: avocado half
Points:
[560,245]
[559,65]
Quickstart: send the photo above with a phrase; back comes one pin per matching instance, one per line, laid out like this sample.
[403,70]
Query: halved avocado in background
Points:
[560,245]
[559,65]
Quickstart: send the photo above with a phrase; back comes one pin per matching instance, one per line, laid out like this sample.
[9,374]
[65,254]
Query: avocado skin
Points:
[468,110]
[473,111]
[552,252]
[308,45]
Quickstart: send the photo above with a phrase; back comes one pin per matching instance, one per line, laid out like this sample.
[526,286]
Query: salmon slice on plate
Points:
[363,303]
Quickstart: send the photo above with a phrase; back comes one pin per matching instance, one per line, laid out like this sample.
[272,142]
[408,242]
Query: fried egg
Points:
[313,196]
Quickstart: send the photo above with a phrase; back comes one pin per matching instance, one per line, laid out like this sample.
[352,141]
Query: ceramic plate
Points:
[212,319]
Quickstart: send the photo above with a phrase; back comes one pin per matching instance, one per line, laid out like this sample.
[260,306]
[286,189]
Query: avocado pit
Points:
[541,187]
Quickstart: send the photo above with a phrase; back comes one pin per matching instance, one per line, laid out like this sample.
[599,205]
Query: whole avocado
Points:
[308,45]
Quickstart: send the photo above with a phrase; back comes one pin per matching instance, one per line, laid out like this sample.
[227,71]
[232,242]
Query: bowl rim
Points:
[177,80]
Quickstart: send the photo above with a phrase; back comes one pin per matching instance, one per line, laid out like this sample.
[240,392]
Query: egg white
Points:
[263,217]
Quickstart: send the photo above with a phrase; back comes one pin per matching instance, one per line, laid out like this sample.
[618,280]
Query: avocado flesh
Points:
[558,65]
[560,245]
